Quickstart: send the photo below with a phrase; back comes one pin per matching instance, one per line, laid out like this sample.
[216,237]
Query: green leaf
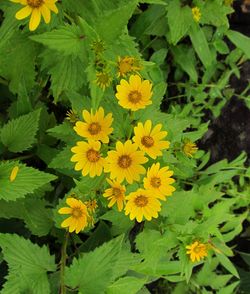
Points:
[28,265]
[240,41]
[225,261]
[19,134]
[62,159]
[64,132]
[126,285]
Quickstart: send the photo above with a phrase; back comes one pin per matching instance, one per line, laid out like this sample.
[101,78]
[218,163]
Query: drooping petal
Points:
[35,19]
[23,13]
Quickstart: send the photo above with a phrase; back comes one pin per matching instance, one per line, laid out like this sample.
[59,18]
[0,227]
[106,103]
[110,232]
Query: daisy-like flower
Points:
[135,94]
[103,79]
[96,126]
[36,8]
[88,158]
[148,139]
[189,148]
[197,251]
[142,204]
[125,162]
[196,13]
[14,173]
[126,65]
[91,205]
[115,194]
[71,116]
[78,215]
[159,181]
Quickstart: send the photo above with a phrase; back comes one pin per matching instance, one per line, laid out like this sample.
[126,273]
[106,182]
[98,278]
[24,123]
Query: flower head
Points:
[115,194]
[14,173]
[88,158]
[189,148]
[196,14]
[98,47]
[148,139]
[36,8]
[127,65]
[135,94]
[96,126]
[78,215]
[197,251]
[142,204]
[125,162]
[103,79]
[71,116]
[159,181]
[91,205]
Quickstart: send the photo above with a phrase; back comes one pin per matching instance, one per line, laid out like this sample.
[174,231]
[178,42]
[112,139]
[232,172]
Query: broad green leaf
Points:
[62,159]
[126,285]
[225,261]
[240,41]
[64,132]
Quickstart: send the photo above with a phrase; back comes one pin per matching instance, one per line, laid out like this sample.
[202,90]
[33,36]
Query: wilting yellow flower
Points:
[78,215]
[96,126]
[115,194]
[189,148]
[71,116]
[148,139]
[91,205]
[135,94]
[159,181]
[14,173]
[125,162]
[98,47]
[103,79]
[196,14]
[88,158]
[126,65]
[197,251]
[142,204]
[36,8]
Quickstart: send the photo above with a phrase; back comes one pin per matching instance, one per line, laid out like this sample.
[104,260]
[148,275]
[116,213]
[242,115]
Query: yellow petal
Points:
[35,19]
[14,173]
[51,5]
[23,13]
[45,13]
[65,210]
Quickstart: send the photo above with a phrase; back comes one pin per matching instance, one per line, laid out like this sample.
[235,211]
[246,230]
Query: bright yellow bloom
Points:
[189,148]
[125,162]
[135,94]
[196,14]
[148,139]
[78,215]
[71,116]
[91,205]
[126,65]
[95,126]
[142,204]
[197,251]
[36,8]
[103,79]
[159,181]
[14,173]
[88,158]
[115,194]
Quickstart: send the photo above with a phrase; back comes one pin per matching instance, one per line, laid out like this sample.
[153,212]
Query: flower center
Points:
[141,201]
[134,96]
[94,128]
[197,249]
[92,155]
[77,212]
[35,3]
[147,141]
[155,182]
[117,192]
[124,161]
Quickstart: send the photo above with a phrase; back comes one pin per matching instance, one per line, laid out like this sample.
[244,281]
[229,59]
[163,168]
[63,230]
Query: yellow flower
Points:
[95,126]
[127,65]
[135,94]
[71,116]
[196,14]
[148,139]
[98,47]
[125,162]
[14,173]
[159,181]
[197,251]
[88,158]
[36,8]
[115,194]
[78,215]
[91,205]
[189,148]
[103,79]
[142,204]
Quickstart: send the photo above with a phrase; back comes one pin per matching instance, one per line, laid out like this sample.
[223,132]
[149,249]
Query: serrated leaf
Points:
[64,132]
[19,134]
[126,285]
[62,159]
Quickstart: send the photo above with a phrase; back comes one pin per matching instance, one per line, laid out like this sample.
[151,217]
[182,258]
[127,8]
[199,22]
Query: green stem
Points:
[63,264]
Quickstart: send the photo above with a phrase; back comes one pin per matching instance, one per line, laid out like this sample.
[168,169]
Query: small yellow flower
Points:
[96,126]
[197,251]
[88,158]
[91,205]
[159,181]
[189,148]
[125,162]
[71,116]
[148,139]
[78,215]
[36,8]
[135,94]
[127,65]
[115,194]
[103,79]
[142,204]
[196,13]
[14,173]
[98,47]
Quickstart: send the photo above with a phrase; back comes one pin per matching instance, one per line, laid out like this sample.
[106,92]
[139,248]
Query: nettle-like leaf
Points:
[126,285]
[27,180]
[20,134]
[28,265]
